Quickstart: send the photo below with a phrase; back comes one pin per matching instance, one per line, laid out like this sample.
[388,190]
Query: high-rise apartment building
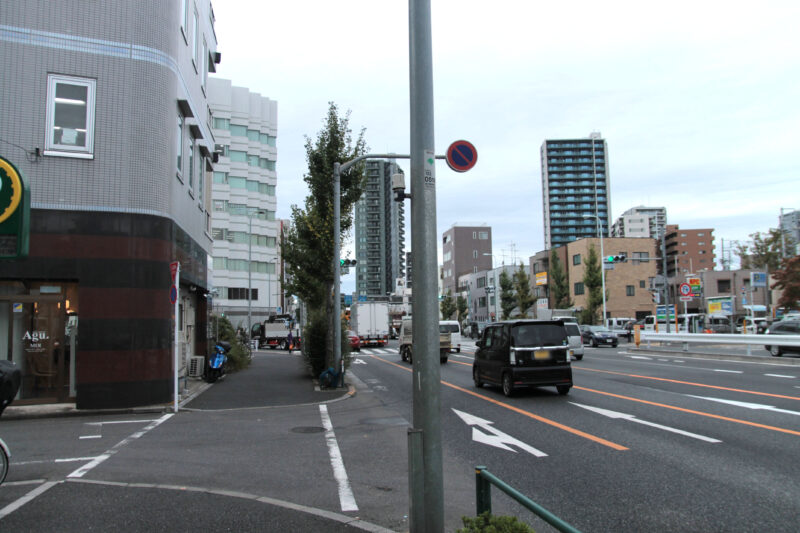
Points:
[379,232]
[243,225]
[641,221]
[104,111]
[465,249]
[575,189]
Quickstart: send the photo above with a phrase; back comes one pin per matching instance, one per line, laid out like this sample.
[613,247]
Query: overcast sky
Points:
[699,101]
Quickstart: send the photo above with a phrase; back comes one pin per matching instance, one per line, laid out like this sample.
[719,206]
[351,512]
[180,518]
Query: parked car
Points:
[355,342]
[524,353]
[784,327]
[575,340]
[597,335]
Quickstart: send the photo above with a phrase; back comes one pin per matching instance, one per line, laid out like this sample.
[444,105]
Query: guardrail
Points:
[483,492]
[720,338]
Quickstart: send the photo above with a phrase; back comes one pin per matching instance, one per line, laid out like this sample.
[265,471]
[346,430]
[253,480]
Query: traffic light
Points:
[347,262]
[619,258]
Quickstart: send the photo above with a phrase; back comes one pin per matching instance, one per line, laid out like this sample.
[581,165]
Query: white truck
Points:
[370,321]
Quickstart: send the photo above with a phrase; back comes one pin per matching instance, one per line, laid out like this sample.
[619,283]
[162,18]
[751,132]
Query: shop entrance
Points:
[33,335]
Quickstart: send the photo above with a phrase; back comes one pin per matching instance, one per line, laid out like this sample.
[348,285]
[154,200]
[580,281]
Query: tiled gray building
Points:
[104,110]
[243,223]
[379,232]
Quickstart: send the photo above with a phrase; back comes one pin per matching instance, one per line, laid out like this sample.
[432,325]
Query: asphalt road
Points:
[643,442]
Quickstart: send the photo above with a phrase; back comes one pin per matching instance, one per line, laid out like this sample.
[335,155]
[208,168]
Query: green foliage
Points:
[307,245]
[488,523]
[764,251]
[559,289]
[507,299]
[787,279]
[462,308]
[239,356]
[522,287]
[447,306]
[314,340]
[593,284]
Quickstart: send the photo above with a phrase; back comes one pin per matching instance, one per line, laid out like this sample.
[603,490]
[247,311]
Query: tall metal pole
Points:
[426,372]
[666,279]
[337,273]
[249,276]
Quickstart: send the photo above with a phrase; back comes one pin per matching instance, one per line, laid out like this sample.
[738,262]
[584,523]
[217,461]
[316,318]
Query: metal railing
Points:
[720,338]
[483,492]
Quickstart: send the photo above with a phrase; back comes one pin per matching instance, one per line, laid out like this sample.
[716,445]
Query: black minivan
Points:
[523,353]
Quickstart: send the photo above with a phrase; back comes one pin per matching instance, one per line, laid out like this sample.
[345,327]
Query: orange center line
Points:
[553,423]
[684,410]
[689,383]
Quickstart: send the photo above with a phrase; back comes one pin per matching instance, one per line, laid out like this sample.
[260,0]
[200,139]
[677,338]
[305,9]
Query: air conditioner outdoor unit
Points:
[196,363]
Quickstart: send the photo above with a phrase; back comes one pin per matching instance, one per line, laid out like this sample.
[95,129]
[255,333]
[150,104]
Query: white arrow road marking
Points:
[498,439]
[632,418]
[747,405]
[359,362]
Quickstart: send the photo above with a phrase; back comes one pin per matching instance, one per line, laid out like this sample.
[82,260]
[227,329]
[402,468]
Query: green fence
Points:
[483,492]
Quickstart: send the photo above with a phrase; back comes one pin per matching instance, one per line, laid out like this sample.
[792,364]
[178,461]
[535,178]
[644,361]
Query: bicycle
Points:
[5,460]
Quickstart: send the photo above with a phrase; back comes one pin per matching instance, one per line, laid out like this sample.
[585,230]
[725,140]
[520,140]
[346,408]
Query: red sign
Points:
[173,268]
[461,156]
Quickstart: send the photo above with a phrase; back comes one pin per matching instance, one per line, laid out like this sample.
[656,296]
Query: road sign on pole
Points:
[461,156]
[686,290]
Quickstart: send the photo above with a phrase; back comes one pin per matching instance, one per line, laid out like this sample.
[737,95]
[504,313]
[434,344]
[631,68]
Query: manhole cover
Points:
[308,429]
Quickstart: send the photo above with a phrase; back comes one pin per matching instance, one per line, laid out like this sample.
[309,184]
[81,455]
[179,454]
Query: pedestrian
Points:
[290,341]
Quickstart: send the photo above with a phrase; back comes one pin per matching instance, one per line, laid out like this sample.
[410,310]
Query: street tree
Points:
[764,251]
[522,288]
[508,301]
[559,289]
[593,285]
[462,308]
[787,279]
[307,245]
[447,306]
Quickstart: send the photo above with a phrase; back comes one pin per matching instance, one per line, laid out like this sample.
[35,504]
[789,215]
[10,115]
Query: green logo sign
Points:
[15,201]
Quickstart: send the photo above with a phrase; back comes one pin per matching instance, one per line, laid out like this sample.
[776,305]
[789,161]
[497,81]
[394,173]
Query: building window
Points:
[576,260]
[579,288]
[641,284]
[723,285]
[204,59]
[195,41]
[180,144]
[483,235]
[474,254]
[630,290]
[191,162]
[184,17]
[474,234]
[70,116]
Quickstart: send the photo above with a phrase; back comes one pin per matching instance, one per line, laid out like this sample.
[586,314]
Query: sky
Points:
[698,101]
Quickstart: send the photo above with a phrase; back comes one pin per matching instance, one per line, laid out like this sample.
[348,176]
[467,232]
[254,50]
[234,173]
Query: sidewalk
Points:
[274,379]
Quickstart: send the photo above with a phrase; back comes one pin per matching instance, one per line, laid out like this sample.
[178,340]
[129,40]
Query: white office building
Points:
[245,277]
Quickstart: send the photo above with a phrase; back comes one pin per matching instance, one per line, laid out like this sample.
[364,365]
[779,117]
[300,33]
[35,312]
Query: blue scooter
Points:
[216,363]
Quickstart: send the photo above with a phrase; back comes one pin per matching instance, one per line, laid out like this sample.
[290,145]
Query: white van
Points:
[617,323]
[454,329]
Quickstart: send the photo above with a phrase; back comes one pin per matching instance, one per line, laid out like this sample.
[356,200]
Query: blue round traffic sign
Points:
[461,156]
[173,294]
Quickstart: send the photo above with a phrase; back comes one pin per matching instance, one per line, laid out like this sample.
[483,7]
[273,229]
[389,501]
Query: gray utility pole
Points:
[666,278]
[426,372]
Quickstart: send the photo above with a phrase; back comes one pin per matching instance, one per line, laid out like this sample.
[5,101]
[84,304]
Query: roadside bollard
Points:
[483,492]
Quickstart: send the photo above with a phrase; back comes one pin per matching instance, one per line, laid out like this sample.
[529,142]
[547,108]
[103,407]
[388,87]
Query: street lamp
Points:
[602,265]
[250,270]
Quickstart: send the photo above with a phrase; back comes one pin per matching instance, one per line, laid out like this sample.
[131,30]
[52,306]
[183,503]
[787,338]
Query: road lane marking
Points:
[744,391]
[727,371]
[641,357]
[13,506]
[80,472]
[780,376]
[498,439]
[579,433]
[632,418]
[346,498]
[692,411]
[747,405]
